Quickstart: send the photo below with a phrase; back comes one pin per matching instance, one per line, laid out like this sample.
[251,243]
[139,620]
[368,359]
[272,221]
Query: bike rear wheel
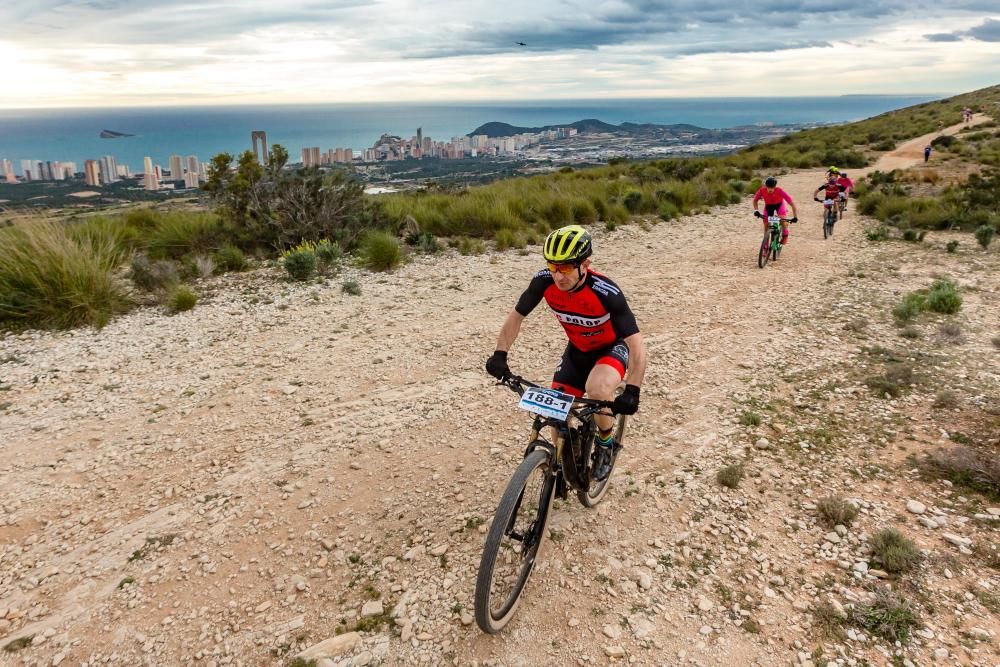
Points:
[827,224]
[595,493]
[513,541]
[765,251]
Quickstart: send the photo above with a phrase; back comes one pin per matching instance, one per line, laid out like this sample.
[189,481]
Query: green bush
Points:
[351,287]
[178,234]
[888,616]
[229,258]
[506,238]
[380,251]
[894,551]
[49,279]
[880,233]
[633,201]
[909,308]
[181,298]
[300,263]
[329,254]
[834,511]
[984,235]
[470,246]
[944,297]
[952,246]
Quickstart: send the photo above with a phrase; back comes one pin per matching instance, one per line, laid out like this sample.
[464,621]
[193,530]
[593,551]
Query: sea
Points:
[73,135]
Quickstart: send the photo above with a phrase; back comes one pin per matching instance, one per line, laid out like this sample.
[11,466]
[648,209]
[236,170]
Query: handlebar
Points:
[517,384]
[758,214]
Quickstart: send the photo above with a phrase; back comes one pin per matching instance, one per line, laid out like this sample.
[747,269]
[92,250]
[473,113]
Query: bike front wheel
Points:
[827,223]
[513,541]
[765,251]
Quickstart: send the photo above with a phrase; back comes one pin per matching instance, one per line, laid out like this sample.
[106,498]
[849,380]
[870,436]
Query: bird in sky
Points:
[520,43]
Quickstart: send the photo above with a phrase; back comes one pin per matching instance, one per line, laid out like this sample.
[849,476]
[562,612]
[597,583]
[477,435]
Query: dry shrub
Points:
[833,511]
[965,467]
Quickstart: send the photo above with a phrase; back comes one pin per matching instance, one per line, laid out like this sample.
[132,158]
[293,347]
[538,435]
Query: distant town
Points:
[491,151]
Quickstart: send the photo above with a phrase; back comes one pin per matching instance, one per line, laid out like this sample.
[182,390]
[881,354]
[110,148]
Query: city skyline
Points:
[92,54]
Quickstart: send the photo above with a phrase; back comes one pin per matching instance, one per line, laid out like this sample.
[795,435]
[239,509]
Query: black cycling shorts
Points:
[772,209]
[574,368]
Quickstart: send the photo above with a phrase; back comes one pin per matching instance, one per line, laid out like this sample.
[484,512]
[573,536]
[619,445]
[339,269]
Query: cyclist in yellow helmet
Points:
[604,346]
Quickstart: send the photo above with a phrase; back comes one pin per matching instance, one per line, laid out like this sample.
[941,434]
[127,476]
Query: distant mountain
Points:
[589,126]
[111,134]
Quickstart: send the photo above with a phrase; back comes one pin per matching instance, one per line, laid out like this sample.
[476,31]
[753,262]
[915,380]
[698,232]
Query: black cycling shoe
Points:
[604,459]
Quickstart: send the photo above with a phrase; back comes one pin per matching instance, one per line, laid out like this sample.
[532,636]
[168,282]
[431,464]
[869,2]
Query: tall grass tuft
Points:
[51,277]
[380,251]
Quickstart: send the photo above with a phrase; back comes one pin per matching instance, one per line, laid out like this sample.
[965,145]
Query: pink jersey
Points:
[846,182]
[772,198]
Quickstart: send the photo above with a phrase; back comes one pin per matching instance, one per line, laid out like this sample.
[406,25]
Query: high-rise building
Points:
[348,155]
[158,170]
[28,169]
[339,156]
[8,172]
[69,169]
[420,137]
[260,136]
[109,169]
[194,165]
[191,179]
[91,172]
[176,168]
[150,180]
[310,157]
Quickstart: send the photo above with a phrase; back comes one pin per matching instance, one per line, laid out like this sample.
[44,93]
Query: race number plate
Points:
[546,402]
[828,202]
[774,219]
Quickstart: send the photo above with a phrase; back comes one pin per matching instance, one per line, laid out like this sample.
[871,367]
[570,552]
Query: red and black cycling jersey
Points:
[831,190]
[594,315]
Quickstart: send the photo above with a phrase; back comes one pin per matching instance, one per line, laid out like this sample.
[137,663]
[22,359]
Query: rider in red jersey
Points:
[848,185]
[774,204]
[604,340]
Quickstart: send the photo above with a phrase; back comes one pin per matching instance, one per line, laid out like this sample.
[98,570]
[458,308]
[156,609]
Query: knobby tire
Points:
[491,618]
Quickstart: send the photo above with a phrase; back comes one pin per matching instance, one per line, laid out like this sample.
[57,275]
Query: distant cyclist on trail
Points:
[604,339]
[831,189]
[774,204]
[848,187]
[927,152]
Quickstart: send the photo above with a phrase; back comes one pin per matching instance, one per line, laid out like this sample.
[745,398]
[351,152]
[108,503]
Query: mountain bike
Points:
[770,247]
[829,216]
[559,459]
[841,205]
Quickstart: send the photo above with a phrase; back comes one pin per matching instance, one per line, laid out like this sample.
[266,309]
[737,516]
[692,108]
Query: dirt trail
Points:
[911,152]
[230,485]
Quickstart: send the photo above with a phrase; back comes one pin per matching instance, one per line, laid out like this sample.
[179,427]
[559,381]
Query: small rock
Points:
[927,522]
[979,634]
[362,659]
[331,648]
[706,630]
[941,653]
[704,604]
[611,631]
[263,606]
[915,507]
[372,608]
[832,537]
[881,574]
[414,553]
[861,566]
[957,540]
[994,511]
[439,550]
[614,651]
[763,443]
[466,618]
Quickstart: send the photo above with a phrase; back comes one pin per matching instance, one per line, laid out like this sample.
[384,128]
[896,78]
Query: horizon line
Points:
[445,102]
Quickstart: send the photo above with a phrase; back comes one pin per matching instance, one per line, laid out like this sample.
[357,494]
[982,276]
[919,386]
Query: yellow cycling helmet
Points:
[571,243]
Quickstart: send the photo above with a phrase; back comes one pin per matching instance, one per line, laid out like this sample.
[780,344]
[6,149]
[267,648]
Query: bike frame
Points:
[577,437]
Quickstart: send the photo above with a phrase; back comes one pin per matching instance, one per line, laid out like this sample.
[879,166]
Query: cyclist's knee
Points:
[602,382]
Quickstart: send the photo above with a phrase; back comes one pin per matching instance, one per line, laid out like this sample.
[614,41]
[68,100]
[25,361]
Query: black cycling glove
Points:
[497,365]
[756,214]
[628,402]
[794,220]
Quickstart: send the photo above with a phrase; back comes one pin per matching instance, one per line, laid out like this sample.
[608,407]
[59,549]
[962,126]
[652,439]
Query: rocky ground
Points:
[291,468]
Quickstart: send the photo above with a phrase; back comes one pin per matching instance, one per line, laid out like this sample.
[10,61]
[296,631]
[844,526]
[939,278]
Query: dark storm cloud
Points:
[943,37]
[989,31]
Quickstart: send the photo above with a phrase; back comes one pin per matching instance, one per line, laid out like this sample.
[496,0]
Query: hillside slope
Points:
[233,484]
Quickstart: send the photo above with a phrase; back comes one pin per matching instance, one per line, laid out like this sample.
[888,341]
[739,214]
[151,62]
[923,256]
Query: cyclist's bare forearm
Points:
[509,331]
[636,359]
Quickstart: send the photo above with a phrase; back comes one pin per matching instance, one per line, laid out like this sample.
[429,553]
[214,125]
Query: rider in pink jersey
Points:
[774,204]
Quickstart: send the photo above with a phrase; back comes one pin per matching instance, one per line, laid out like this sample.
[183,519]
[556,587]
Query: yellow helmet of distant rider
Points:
[569,244]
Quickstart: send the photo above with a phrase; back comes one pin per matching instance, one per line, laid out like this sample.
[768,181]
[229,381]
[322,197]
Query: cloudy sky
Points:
[59,53]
